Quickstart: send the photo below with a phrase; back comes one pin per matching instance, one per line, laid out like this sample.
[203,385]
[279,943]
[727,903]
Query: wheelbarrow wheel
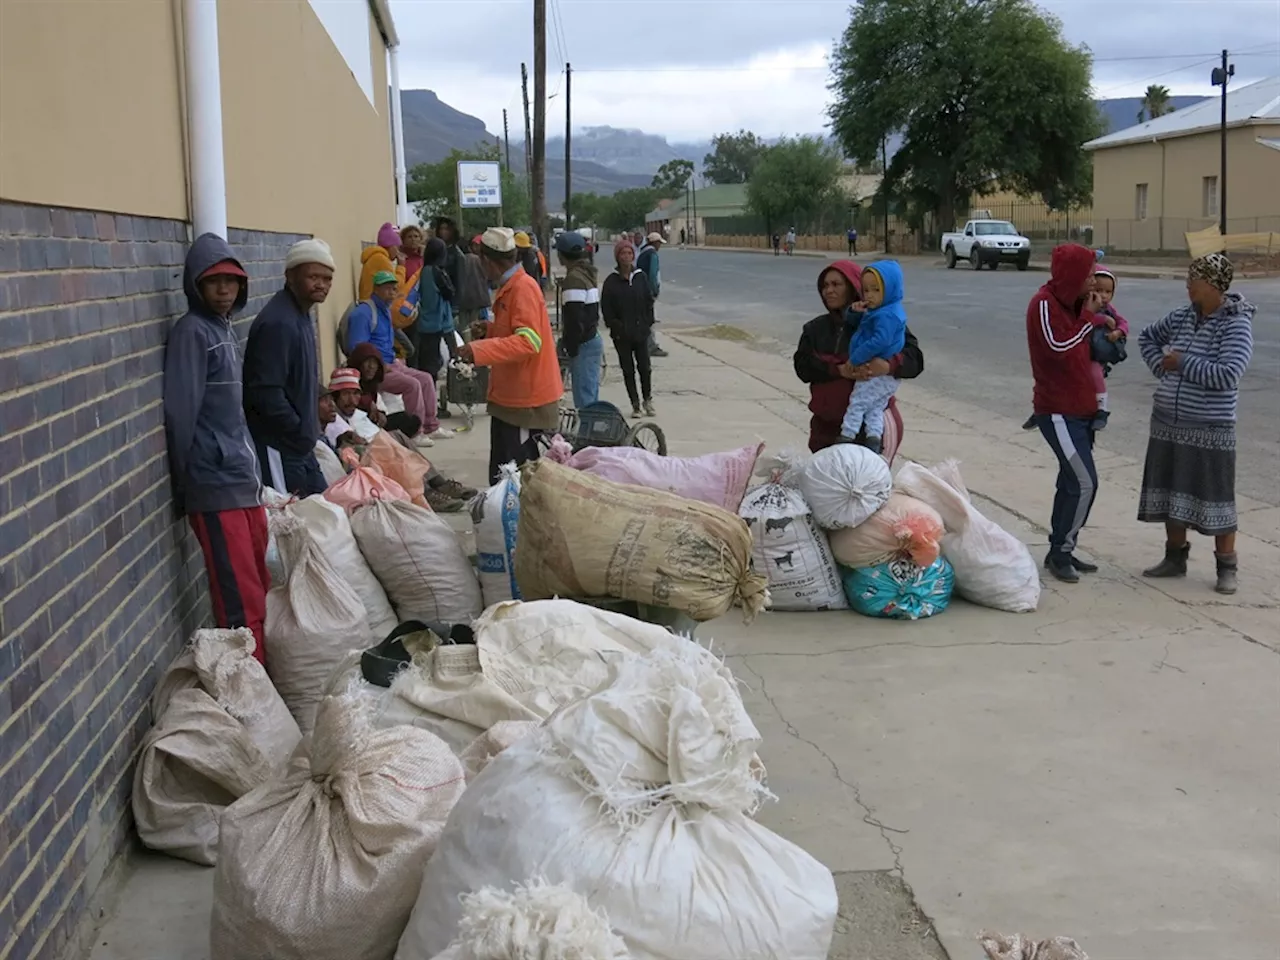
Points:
[647,436]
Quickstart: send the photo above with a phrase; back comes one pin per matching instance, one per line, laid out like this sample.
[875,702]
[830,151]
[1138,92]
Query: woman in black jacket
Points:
[626,304]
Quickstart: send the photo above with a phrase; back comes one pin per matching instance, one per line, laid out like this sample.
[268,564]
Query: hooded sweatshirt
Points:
[368,387]
[1058,332]
[581,293]
[881,332]
[282,377]
[211,456]
[435,291]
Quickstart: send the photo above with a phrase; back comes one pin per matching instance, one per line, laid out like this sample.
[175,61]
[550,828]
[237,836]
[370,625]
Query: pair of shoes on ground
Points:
[647,411]
[1174,564]
[429,439]
[447,495]
[1067,567]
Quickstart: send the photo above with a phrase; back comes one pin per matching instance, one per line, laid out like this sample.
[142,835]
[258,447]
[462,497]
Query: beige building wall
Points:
[305,150]
[90,106]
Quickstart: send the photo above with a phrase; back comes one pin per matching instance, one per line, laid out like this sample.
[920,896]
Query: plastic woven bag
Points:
[362,485]
[790,549]
[717,478]
[903,529]
[900,589]
[495,513]
[398,463]
[843,484]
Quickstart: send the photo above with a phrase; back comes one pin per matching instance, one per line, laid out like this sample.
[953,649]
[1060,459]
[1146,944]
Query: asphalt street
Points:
[971,327]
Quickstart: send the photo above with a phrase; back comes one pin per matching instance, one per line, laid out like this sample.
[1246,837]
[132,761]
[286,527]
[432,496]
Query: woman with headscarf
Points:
[1198,354]
[822,361]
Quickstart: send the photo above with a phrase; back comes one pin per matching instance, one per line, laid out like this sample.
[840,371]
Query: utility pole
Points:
[528,128]
[1219,78]
[884,186]
[568,134]
[540,121]
[506,137]
[694,192]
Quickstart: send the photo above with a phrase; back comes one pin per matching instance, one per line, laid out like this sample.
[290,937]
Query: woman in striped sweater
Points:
[1199,354]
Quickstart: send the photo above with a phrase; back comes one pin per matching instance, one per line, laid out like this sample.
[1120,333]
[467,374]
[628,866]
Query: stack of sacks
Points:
[992,566]
[324,862]
[719,479]
[582,536]
[221,730]
[639,797]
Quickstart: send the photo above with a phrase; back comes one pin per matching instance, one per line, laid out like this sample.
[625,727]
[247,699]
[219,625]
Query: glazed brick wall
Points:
[101,581]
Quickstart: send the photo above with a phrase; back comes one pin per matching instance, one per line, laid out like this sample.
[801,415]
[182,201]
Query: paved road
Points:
[971,327]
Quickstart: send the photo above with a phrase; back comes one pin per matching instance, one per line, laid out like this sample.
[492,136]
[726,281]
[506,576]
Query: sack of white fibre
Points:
[639,797]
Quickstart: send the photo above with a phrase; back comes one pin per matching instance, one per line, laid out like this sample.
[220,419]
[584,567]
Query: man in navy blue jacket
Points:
[281,375]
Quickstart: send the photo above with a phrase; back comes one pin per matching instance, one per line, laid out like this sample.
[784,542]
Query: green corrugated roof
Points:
[717,200]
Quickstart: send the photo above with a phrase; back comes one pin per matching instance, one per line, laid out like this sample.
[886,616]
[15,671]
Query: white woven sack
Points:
[536,921]
[477,754]
[220,730]
[330,466]
[638,797]
[419,561]
[992,566]
[843,484]
[327,524]
[790,549]
[314,619]
[529,659]
[496,513]
[324,862]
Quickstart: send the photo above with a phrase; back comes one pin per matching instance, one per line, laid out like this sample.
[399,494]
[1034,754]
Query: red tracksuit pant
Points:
[235,555]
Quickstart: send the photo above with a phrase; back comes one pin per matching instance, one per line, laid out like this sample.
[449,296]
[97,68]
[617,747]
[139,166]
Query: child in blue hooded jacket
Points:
[881,333]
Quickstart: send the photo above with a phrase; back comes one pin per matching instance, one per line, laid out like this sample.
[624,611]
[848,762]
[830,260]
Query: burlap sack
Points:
[221,729]
[582,536]
[325,862]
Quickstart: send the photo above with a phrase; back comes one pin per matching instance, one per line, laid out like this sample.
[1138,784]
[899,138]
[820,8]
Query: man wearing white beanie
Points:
[281,373]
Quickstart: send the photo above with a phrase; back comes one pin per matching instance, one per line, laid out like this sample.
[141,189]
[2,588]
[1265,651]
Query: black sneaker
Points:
[1060,565]
[1030,423]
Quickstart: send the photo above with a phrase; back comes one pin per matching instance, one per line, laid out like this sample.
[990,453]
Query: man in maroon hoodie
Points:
[1059,325]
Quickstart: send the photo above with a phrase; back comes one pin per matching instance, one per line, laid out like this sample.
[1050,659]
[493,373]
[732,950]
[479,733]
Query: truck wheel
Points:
[1023,264]
[994,264]
[951,257]
[975,259]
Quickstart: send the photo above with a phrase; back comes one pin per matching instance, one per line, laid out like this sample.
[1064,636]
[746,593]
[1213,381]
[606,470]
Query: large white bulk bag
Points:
[314,619]
[638,797]
[992,566]
[843,484]
[220,730]
[496,514]
[419,561]
[790,549]
[324,862]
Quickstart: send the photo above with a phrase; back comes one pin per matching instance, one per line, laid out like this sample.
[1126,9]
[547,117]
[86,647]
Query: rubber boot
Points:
[874,444]
[1226,572]
[1174,563]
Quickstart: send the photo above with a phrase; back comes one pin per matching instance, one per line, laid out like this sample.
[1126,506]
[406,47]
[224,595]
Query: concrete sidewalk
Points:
[1105,768]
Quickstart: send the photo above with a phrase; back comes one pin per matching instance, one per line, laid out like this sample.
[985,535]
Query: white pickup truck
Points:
[990,242]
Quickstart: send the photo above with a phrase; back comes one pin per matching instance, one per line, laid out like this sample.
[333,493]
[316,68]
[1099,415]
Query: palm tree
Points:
[1155,103]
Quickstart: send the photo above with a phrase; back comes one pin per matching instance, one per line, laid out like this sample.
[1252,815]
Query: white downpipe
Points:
[403,215]
[204,117]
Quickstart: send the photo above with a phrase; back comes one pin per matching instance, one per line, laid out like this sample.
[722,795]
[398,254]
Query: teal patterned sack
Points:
[899,589]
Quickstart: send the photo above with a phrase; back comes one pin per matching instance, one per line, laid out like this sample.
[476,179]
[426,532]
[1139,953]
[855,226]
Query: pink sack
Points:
[903,529]
[362,485]
[719,479]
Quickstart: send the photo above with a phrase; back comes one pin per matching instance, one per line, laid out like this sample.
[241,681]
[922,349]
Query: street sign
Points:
[479,183]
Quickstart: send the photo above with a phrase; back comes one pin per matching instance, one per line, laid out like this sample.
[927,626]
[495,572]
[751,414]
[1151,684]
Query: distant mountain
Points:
[1122,112]
[627,151]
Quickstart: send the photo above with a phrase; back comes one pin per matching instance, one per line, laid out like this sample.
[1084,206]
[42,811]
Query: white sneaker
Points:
[442,433]
[422,440]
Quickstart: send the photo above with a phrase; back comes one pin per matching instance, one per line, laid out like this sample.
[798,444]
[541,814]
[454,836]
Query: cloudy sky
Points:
[691,68]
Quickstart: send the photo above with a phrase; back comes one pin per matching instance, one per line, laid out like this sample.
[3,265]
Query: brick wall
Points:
[100,581]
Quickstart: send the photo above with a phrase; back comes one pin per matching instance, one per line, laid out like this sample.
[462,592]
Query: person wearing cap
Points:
[281,375]
[1198,354]
[580,318]
[647,262]
[370,322]
[215,473]
[527,256]
[524,386]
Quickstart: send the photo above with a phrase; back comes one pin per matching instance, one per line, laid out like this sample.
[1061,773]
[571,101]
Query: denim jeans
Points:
[585,372]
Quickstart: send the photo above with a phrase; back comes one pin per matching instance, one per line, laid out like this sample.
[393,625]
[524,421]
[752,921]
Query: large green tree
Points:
[792,181]
[433,190]
[628,208]
[733,157]
[977,89]
[672,176]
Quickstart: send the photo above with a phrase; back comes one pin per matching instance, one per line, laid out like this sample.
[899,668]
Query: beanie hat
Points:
[498,239]
[623,243]
[388,236]
[384,276]
[522,240]
[344,378]
[314,250]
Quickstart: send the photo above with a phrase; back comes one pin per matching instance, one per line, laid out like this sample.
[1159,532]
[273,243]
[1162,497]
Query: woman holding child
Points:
[822,361]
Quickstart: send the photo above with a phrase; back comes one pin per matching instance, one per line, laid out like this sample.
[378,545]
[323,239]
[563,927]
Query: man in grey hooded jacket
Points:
[215,471]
